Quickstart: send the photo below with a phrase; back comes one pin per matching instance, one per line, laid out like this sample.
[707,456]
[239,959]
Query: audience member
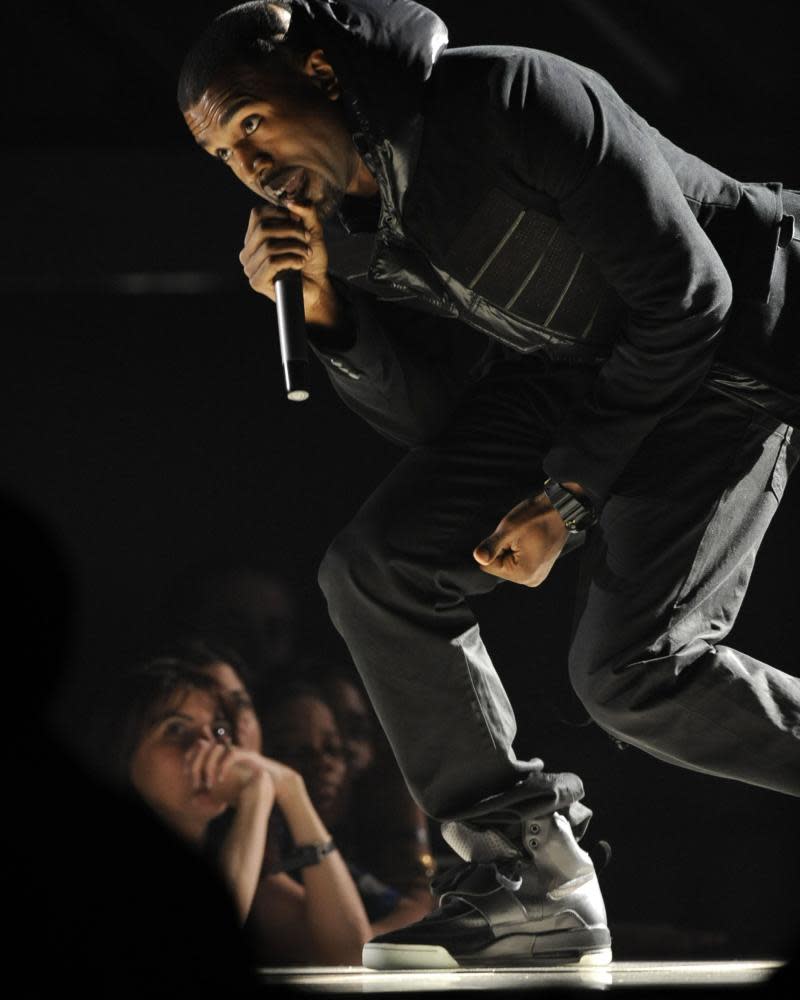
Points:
[301,730]
[189,746]
[385,828]
[382,832]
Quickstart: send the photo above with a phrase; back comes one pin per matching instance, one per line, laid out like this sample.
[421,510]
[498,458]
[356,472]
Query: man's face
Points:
[280,130]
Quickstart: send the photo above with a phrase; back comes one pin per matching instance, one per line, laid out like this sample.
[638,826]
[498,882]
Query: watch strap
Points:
[576,513]
[303,856]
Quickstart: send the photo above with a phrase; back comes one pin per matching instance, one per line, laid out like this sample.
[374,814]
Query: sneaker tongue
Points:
[482,846]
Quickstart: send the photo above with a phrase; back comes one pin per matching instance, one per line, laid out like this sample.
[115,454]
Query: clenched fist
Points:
[525,544]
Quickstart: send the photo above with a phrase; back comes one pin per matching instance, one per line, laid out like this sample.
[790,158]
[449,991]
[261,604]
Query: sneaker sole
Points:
[545,950]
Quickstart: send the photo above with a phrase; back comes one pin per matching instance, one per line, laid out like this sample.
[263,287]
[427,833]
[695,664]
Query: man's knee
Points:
[330,569]
[352,560]
[623,695]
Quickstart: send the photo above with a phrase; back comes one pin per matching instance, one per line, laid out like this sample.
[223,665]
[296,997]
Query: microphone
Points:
[292,333]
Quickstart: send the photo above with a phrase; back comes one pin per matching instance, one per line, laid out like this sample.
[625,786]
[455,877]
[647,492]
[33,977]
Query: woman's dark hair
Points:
[247,35]
[200,653]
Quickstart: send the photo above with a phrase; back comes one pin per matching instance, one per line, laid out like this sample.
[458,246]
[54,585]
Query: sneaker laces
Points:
[445,881]
[507,872]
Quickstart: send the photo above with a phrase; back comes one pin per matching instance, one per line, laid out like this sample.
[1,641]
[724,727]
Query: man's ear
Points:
[317,67]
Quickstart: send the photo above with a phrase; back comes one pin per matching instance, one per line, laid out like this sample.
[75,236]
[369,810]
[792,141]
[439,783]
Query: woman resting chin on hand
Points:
[180,755]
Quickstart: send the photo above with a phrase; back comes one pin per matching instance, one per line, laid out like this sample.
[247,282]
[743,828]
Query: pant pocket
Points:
[734,529]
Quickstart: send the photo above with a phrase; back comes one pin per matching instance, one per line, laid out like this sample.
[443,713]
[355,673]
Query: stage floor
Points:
[653,976]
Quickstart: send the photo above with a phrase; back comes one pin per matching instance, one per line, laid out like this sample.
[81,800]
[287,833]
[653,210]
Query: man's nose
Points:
[251,161]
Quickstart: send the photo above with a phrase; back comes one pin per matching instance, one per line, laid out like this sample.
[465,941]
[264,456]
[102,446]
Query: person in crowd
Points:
[188,746]
[393,888]
[249,613]
[301,731]
[386,829]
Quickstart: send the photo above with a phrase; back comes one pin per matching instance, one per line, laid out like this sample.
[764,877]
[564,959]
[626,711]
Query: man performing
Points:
[634,400]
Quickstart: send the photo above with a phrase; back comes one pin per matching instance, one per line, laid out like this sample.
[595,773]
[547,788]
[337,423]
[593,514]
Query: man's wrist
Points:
[327,311]
[572,504]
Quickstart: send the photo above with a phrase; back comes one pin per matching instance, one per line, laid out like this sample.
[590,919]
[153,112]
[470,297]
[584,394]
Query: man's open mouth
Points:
[289,184]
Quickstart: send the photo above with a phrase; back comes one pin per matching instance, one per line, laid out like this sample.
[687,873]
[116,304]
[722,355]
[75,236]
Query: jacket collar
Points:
[383,52]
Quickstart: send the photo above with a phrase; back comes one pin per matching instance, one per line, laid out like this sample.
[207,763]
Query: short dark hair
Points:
[281,694]
[247,35]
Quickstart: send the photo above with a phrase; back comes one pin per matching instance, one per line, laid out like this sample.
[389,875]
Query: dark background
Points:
[143,414]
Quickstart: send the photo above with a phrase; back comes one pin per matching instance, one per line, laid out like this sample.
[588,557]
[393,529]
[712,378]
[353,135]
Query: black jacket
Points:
[521,196]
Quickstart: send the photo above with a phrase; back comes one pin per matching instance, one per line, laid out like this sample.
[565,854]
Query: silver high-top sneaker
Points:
[530,897]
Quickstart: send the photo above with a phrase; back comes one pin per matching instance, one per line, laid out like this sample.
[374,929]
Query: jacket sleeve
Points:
[400,369]
[620,199]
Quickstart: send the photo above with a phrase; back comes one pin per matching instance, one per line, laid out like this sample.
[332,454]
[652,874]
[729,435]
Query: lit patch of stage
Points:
[640,976]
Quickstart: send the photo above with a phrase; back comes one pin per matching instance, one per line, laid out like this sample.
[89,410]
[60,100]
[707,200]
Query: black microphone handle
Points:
[292,332]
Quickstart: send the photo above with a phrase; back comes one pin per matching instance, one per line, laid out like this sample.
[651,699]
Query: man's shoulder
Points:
[508,78]
[486,61]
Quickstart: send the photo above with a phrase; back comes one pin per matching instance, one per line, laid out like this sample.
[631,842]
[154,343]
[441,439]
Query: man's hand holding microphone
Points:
[285,258]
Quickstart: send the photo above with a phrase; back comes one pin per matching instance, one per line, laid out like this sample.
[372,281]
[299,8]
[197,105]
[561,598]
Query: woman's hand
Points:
[242,779]
[226,770]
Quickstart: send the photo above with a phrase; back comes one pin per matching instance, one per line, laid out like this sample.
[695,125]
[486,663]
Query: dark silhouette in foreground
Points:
[98,894]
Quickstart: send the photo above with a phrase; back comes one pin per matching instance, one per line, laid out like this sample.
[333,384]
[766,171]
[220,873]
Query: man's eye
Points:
[222,732]
[250,124]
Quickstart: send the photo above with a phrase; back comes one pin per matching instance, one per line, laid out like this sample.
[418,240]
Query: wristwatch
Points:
[303,856]
[576,512]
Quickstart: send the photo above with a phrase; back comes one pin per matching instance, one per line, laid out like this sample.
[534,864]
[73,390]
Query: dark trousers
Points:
[662,578]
